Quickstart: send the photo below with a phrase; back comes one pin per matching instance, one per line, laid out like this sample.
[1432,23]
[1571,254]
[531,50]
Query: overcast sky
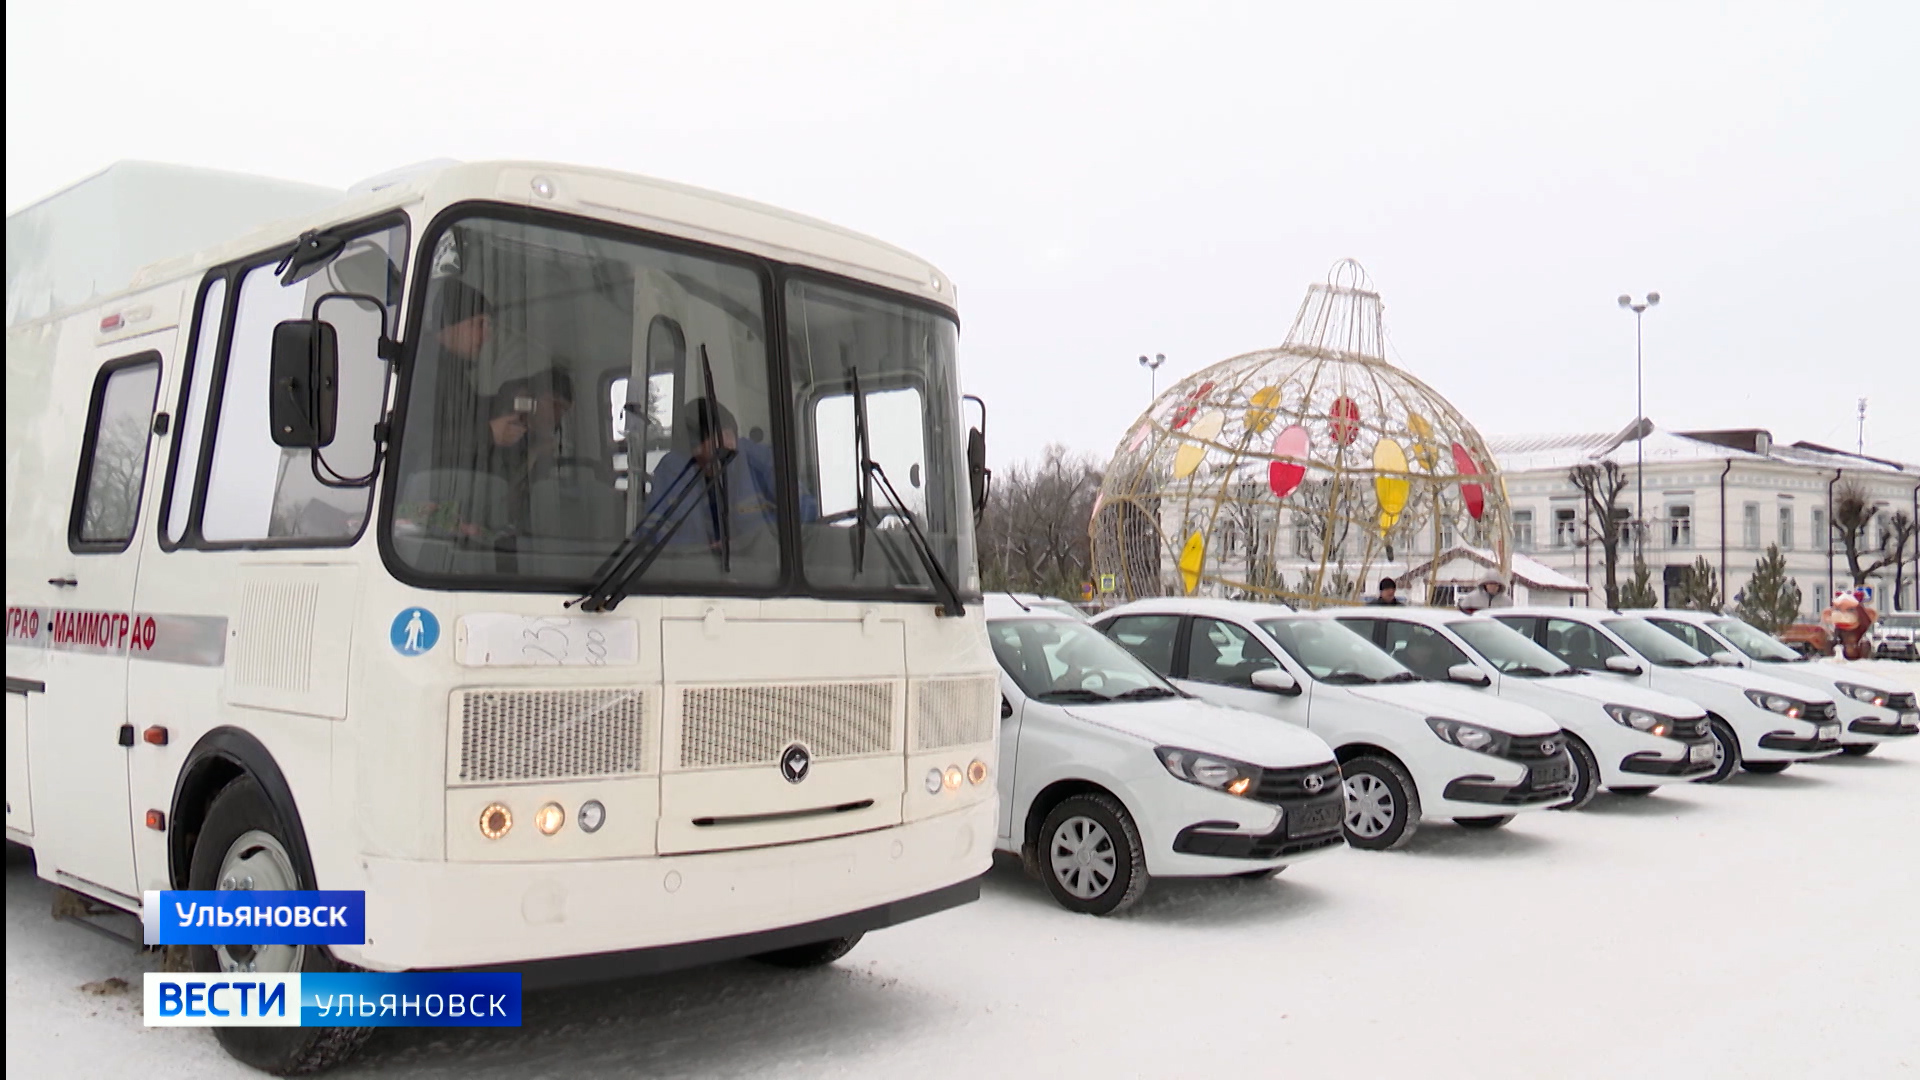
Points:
[1108,179]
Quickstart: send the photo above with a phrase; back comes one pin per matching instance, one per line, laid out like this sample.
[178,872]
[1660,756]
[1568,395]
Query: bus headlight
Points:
[934,781]
[549,818]
[977,772]
[592,816]
[952,779]
[495,821]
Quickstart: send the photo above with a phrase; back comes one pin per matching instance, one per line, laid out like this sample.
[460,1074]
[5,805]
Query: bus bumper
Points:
[564,922]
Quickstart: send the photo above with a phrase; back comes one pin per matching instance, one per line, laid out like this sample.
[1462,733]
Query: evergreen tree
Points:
[1771,600]
[1637,591]
[1700,589]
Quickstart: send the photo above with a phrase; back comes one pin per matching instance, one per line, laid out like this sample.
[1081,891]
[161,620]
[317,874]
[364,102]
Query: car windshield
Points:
[574,390]
[1067,661]
[1656,644]
[1508,650]
[1332,652]
[1756,643]
[1900,622]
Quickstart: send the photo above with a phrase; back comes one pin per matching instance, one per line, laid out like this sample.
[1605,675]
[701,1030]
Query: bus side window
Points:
[193,412]
[113,460]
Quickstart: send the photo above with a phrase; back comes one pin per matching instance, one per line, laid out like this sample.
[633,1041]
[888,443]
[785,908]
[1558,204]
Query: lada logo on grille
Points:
[794,763]
[1314,782]
[1549,748]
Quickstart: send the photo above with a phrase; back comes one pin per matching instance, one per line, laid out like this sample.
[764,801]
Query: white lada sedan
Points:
[1407,747]
[1110,776]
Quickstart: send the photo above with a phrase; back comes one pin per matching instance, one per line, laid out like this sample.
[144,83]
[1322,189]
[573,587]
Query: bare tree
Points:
[1600,485]
[1034,536]
[1853,517]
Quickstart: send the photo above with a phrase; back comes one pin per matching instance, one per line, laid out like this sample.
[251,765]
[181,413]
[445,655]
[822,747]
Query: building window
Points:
[1786,527]
[1821,539]
[1623,525]
[1679,526]
[1566,527]
[1523,530]
[1302,538]
[1750,526]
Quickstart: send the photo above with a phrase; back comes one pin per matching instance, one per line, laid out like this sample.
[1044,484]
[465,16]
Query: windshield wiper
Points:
[1528,671]
[631,560]
[1076,694]
[1403,676]
[1567,672]
[1145,693]
[1351,678]
[870,469]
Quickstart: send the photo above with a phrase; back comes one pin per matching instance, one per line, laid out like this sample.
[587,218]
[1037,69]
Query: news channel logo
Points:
[303,999]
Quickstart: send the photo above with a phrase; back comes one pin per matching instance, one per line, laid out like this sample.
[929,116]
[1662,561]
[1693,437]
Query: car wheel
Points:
[1261,875]
[244,845]
[811,955]
[1726,751]
[1765,768]
[1495,822]
[1383,806]
[1631,791]
[1858,749]
[1090,855]
[1586,774]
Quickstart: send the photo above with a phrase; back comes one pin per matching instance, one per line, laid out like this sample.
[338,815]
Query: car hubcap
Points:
[258,863]
[1083,857]
[1719,751]
[1369,806]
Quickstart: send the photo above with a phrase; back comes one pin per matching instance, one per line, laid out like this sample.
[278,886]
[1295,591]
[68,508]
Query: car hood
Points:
[1748,679]
[1460,703]
[1617,692]
[1824,673]
[1214,729]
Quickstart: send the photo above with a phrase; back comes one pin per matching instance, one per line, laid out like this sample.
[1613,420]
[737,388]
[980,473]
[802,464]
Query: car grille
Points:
[1822,712]
[1688,729]
[1289,785]
[1906,702]
[1534,747]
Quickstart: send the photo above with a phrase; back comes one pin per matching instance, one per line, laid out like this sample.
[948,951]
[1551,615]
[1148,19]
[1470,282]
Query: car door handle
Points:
[64,582]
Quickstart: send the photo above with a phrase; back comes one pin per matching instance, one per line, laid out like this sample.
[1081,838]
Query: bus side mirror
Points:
[1469,674]
[304,389]
[979,477]
[1623,666]
[1276,681]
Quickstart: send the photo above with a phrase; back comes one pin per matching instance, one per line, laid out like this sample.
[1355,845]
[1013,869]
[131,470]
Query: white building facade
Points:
[1722,495]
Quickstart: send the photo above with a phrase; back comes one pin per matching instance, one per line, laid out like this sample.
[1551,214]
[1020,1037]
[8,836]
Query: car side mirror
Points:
[1469,674]
[303,392]
[1623,665]
[1726,659]
[1276,681]
[1006,708]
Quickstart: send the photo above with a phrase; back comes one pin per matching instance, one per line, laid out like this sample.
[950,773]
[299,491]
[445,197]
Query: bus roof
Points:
[137,224]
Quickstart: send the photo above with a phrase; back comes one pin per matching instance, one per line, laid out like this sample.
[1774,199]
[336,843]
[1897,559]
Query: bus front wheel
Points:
[244,845]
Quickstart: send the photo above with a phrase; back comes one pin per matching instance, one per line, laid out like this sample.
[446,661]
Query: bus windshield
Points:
[574,389]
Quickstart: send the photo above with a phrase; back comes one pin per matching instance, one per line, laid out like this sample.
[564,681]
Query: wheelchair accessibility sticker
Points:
[415,630]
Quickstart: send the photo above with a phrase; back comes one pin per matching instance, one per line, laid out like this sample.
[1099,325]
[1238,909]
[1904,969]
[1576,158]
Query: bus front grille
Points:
[751,725]
[954,712]
[509,735]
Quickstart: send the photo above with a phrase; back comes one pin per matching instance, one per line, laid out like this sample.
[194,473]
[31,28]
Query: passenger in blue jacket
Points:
[687,485]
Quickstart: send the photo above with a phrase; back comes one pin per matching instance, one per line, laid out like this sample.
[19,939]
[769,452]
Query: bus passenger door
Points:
[80,738]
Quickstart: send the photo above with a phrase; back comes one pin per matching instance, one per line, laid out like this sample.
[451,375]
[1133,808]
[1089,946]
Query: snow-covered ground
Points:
[1769,926]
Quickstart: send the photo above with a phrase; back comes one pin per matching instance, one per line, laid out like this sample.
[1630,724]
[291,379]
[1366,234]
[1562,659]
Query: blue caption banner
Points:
[333,999]
[236,917]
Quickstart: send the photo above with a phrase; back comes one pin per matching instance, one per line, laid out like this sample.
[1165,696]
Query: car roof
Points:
[1429,616]
[1190,605]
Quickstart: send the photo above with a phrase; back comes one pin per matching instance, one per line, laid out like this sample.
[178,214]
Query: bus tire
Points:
[232,834]
[815,954]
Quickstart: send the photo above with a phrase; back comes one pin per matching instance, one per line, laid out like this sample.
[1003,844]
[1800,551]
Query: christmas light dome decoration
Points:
[1298,474]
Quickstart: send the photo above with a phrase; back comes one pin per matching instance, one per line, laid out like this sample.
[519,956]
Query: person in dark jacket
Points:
[1389,595]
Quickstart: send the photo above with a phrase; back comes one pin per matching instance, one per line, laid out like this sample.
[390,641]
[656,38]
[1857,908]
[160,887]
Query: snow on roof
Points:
[1537,453]
[91,239]
[1525,570]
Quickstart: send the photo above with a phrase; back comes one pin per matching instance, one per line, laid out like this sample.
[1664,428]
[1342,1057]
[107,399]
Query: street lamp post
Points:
[1153,373]
[1639,308]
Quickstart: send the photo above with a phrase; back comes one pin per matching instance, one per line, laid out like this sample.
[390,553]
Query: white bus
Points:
[581,565]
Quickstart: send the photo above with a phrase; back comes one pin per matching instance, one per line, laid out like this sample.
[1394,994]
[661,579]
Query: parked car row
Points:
[1194,738]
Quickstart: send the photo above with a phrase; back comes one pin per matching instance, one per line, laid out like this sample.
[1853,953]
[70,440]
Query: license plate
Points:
[1700,753]
[1910,717]
[1553,772]
[1313,819]
[1830,731]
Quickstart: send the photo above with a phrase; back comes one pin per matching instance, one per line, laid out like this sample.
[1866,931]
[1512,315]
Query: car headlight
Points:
[1209,770]
[1865,694]
[1468,736]
[1640,719]
[1778,703]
